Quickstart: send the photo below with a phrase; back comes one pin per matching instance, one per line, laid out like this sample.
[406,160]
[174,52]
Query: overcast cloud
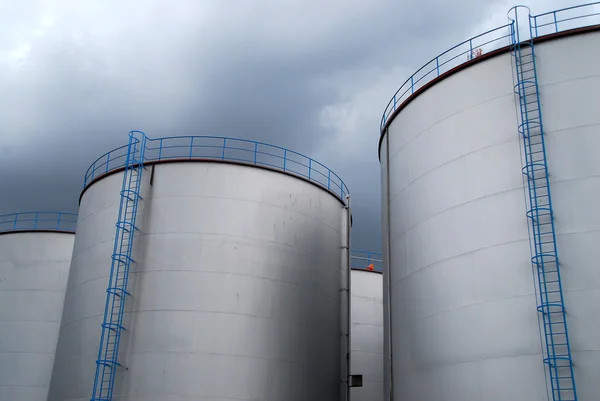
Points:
[310,75]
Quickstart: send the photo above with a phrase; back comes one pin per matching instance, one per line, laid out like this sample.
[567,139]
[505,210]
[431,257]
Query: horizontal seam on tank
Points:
[454,207]
[366,324]
[142,234]
[25,385]
[446,118]
[26,352]
[577,232]
[29,321]
[520,355]
[533,294]
[448,162]
[307,251]
[579,290]
[362,351]
[486,196]
[194,271]
[187,352]
[312,218]
[95,244]
[188,311]
[29,290]
[459,255]
[554,83]
[561,130]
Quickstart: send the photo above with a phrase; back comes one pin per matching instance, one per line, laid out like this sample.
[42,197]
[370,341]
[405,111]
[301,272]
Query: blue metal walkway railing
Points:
[214,148]
[540,214]
[38,221]
[543,24]
[116,293]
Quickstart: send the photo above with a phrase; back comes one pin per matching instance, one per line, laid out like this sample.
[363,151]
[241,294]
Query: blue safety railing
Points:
[557,353]
[224,149]
[565,19]
[116,293]
[543,24]
[38,221]
[366,260]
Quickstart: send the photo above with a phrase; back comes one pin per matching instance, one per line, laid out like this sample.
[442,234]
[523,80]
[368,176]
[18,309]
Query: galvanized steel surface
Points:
[235,293]
[462,314]
[33,277]
[367,334]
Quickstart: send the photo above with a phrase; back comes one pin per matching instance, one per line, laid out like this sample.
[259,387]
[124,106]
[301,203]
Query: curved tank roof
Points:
[545,26]
[38,221]
[224,149]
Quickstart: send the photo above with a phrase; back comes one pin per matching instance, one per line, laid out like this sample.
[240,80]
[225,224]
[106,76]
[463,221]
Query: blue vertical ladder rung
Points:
[557,354]
[121,260]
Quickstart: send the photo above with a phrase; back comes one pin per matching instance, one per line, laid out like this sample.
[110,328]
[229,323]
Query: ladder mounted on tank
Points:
[557,350]
[116,293]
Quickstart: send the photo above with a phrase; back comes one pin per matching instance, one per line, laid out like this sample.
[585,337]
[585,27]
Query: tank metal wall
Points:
[33,277]
[463,314]
[570,94]
[235,293]
[367,334]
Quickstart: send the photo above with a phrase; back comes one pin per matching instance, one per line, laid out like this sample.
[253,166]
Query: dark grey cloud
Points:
[310,75]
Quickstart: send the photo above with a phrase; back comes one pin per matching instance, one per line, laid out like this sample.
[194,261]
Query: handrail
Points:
[485,43]
[38,221]
[366,260]
[224,149]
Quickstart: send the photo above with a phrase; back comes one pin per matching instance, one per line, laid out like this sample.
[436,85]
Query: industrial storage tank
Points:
[366,300]
[35,254]
[490,175]
[234,281]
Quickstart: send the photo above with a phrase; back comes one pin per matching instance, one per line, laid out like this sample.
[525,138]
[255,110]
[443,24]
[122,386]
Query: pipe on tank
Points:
[387,293]
[348,286]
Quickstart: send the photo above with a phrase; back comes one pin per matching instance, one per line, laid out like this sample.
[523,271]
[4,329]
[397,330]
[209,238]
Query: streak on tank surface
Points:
[236,288]
[35,254]
[462,302]
[367,325]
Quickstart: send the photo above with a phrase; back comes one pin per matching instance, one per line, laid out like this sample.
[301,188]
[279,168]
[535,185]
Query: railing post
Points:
[15,222]
[394,102]
[58,221]
[191,147]
[470,49]
[412,85]
[328,179]
[309,168]
[159,149]
[437,65]
[284,158]
[107,161]
[255,151]
[555,21]
[223,152]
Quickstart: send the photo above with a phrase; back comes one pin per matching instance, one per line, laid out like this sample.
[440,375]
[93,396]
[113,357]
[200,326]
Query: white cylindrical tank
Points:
[367,325]
[463,323]
[235,292]
[35,255]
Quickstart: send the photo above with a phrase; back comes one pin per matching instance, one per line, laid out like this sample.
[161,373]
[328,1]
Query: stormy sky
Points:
[309,75]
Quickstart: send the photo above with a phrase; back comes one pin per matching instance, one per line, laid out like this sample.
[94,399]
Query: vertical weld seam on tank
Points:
[388,358]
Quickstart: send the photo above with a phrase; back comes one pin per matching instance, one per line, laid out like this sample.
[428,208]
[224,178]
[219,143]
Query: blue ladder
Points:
[544,253]
[116,293]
